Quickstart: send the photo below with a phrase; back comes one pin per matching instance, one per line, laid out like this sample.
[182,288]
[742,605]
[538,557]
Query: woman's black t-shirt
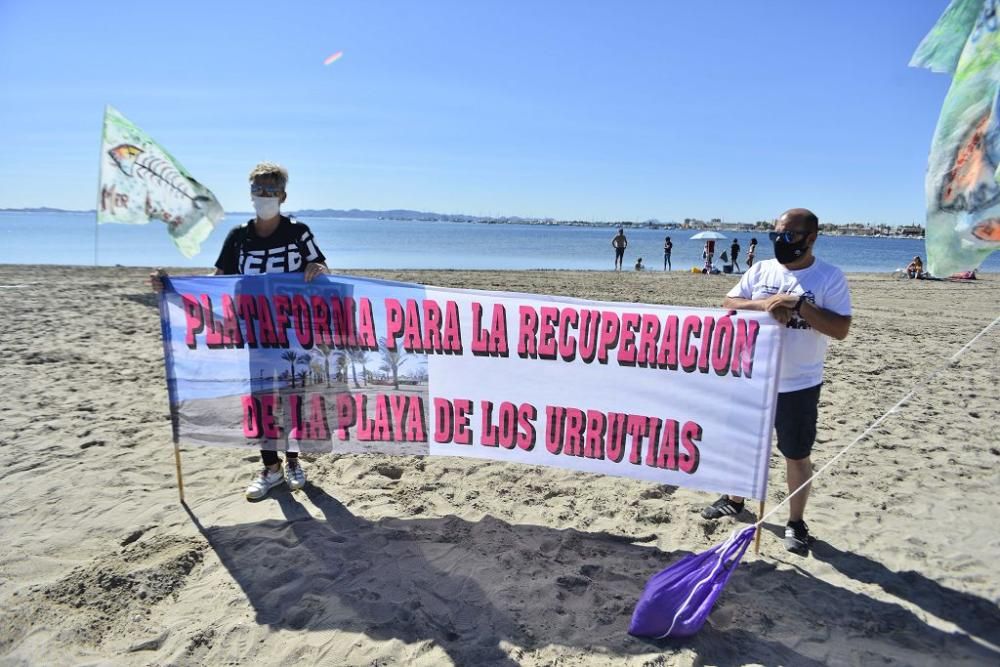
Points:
[287,250]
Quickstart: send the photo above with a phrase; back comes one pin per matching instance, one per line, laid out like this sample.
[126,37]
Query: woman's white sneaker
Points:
[266,480]
[295,476]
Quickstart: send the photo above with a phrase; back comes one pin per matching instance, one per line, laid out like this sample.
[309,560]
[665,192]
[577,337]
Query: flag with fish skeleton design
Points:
[963,173]
[141,181]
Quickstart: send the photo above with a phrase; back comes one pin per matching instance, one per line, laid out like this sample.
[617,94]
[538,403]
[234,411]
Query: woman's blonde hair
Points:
[270,170]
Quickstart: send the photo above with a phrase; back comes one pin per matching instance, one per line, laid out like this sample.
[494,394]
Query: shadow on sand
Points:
[471,586]
[972,614]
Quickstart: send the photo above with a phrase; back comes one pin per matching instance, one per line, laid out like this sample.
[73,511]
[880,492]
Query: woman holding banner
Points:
[268,243]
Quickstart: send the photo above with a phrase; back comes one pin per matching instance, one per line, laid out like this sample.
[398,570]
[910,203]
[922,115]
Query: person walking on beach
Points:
[668,247]
[810,297]
[619,243]
[269,243]
[734,252]
[751,252]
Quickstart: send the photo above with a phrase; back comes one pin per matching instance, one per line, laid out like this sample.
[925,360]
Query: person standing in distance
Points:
[619,243]
[668,248]
[734,252]
[269,243]
[810,297]
[751,252]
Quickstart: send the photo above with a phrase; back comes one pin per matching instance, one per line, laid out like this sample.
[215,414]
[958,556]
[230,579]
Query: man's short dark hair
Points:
[803,215]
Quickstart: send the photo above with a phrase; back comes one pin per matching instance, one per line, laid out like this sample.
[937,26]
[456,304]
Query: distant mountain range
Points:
[43,209]
[394,214]
[391,214]
[364,214]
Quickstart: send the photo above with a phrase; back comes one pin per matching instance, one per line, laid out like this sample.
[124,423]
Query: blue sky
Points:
[573,110]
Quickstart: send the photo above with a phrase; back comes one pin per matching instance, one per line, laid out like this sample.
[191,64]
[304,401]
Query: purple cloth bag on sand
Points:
[677,600]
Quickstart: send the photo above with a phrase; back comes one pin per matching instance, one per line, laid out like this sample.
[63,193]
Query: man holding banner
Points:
[811,299]
[270,243]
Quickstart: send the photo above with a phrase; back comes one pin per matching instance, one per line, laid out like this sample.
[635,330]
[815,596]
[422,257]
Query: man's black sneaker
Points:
[797,538]
[722,507]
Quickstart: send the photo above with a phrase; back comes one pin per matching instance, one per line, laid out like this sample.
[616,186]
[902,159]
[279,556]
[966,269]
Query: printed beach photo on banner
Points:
[140,181]
[272,362]
[678,396]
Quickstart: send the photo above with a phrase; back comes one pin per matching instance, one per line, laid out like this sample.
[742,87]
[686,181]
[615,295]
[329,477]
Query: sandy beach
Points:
[408,560]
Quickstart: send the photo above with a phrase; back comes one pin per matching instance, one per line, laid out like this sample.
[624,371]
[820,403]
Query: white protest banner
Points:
[679,396]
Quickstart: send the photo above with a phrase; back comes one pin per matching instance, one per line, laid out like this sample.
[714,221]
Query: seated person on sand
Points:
[638,265]
[915,269]
[707,256]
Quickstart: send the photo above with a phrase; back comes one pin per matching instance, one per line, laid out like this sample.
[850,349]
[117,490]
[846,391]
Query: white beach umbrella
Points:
[715,236]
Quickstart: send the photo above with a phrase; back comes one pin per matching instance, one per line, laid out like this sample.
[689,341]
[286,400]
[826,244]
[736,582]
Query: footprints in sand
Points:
[135,535]
[389,470]
[110,598]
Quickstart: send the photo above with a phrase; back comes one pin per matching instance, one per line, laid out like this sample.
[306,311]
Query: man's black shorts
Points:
[619,253]
[795,421]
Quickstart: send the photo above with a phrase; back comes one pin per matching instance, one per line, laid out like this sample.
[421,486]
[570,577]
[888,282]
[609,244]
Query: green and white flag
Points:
[141,181]
[963,171]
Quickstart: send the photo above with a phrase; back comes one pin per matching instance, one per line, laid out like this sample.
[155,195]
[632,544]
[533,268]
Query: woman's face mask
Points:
[266,207]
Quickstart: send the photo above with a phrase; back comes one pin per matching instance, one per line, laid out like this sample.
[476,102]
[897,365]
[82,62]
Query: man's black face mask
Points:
[786,249]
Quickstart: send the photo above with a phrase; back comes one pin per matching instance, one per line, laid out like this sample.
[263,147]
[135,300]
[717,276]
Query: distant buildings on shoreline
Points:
[696,225]
[848,229]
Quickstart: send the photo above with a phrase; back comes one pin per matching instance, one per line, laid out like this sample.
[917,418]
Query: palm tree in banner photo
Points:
[325,352]
[340,363]
[392,360]
[358,357]
[317,368]
[303,376]
[291,357]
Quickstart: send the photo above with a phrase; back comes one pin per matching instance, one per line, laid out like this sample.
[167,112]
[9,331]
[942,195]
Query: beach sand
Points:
[435,561]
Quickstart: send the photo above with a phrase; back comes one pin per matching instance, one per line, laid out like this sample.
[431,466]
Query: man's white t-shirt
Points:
[803,348]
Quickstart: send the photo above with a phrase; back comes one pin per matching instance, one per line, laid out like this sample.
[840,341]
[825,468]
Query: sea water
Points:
[74,238]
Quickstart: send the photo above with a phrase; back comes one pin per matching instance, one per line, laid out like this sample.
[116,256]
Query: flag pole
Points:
[756,539]
[100,192]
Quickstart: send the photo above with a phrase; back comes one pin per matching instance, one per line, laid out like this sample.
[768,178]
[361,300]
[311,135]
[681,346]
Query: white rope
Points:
[878,421]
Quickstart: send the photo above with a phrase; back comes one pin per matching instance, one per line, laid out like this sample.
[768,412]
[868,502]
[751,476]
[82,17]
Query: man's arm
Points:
[825,321]
[779,305]
[782,307]
[737,303]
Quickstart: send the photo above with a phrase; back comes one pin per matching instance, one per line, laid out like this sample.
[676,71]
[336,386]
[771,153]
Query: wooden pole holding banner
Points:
[180,477]
[171,389]
[756,538]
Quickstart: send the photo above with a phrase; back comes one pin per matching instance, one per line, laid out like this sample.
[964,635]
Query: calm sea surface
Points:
[69,238]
